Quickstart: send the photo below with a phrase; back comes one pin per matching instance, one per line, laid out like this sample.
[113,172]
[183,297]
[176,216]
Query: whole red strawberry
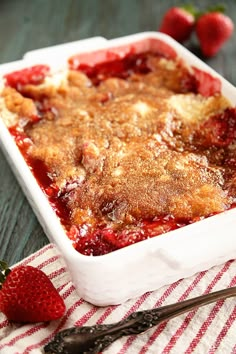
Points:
[213,29]
[178,23]
[28,295]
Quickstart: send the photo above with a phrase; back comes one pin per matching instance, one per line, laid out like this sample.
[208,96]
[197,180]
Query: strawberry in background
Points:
[213,28]
[178,22]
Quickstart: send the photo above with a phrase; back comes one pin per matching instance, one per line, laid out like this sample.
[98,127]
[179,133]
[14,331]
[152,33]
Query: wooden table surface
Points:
[26,25]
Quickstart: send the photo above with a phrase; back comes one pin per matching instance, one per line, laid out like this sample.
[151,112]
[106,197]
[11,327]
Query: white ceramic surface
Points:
[150,264]
[65,49]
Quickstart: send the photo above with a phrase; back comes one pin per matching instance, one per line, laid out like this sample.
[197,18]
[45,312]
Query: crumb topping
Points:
[127,150]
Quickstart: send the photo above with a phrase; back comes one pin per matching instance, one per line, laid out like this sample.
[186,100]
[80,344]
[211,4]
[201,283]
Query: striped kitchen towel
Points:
[208,330]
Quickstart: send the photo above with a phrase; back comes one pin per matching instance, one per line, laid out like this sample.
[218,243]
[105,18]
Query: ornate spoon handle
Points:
[93,339]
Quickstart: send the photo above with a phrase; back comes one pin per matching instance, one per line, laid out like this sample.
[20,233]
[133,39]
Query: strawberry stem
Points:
[217,8]
[191,9]
[4,271]
[197,13]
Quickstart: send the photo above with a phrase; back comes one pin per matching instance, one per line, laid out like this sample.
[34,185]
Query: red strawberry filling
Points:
[219,130]
[34,75]
[206,84]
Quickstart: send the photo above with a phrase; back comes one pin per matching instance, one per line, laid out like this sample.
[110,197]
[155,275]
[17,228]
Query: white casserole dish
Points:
[150,264]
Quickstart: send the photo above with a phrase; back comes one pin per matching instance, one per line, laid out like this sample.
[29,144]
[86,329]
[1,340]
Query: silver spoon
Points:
[93,339]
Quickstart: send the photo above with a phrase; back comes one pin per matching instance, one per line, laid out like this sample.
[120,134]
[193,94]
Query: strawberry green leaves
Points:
[4,271]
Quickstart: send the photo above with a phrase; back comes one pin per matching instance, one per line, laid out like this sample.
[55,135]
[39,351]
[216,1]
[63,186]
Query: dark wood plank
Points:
[26,25]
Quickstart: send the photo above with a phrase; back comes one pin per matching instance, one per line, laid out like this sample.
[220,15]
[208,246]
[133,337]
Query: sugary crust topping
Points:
[142,182]
[192,109]
[20,106]
[126,150]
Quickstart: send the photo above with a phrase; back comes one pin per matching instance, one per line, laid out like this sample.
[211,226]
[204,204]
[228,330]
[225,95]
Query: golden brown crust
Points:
[16,103]
[122,150]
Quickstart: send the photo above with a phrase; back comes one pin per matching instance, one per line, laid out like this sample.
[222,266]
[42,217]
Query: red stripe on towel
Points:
[191,314]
